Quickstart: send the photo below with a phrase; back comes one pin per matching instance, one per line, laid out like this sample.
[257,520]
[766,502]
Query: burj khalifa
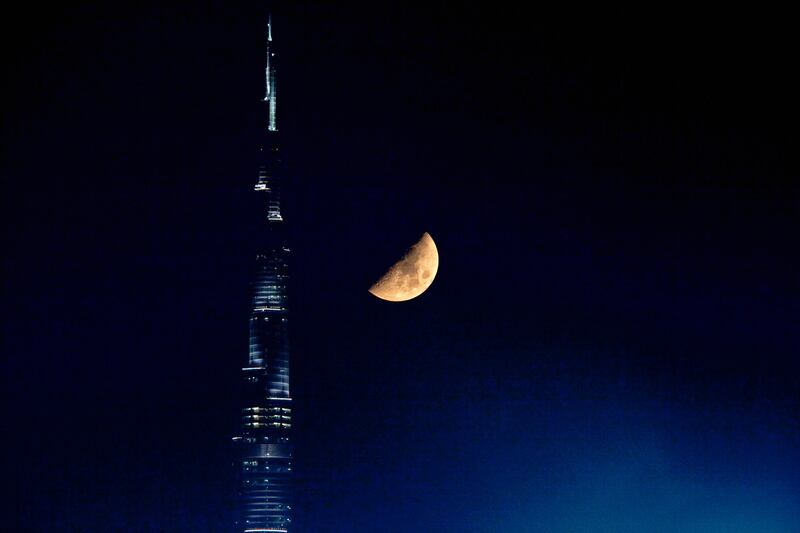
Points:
[263,444]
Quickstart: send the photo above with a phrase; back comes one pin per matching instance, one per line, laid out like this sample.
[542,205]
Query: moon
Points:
[412,275]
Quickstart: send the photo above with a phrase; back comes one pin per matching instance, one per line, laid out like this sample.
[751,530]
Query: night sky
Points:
[611,343]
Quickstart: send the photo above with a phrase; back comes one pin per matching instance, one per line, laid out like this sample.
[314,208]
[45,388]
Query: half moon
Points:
[412,275]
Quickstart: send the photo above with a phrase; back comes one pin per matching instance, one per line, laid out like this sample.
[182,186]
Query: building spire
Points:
[270,95]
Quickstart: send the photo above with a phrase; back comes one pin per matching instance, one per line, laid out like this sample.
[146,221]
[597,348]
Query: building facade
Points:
[264,448]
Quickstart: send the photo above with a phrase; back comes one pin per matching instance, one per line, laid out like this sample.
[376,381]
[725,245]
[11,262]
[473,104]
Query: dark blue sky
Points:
[611,341]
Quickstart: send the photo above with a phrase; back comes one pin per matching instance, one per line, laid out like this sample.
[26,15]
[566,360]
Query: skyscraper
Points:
[264,458]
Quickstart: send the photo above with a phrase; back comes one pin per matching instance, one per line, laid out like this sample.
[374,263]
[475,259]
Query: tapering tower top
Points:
[270,95]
